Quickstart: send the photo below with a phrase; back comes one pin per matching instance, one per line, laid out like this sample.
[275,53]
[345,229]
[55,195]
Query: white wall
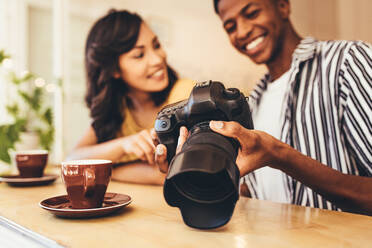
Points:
[333,19]
[355,19]
[13,16]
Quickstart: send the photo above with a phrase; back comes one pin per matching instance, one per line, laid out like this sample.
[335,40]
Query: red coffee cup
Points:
[31,163]
[86,181]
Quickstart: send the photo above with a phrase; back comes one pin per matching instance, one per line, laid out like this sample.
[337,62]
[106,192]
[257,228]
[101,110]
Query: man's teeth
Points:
[254,43]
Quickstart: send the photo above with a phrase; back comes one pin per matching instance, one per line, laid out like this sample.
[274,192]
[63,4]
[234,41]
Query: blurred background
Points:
[43,44]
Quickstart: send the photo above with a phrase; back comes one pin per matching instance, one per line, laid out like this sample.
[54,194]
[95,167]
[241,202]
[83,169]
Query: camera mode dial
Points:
[231,93]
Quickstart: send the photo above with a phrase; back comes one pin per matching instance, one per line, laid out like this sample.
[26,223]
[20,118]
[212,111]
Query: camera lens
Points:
[203,177]
[204,187]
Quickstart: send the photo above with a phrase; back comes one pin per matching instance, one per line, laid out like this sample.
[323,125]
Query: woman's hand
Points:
[141,144]
[161,150]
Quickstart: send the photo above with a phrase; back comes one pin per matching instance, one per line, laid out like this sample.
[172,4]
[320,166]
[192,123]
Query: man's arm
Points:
[259,149]
[349,192]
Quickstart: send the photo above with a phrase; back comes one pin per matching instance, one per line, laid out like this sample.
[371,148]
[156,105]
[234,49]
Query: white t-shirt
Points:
[267,118]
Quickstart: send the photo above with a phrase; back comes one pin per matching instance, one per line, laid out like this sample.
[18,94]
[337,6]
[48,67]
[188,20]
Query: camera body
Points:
[208,101]
[203,179]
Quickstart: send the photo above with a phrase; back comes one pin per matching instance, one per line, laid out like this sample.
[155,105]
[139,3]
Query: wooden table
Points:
[149,222]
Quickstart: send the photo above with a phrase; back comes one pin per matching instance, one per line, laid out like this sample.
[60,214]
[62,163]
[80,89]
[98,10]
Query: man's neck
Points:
[282,61]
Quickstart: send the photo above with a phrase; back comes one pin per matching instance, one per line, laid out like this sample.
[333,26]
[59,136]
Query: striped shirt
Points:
[328,112]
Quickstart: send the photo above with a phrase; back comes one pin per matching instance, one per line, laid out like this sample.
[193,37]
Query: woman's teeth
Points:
[158,73]
[254,43]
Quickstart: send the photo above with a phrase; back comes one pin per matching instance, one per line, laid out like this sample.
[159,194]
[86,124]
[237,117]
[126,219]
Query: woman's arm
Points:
[141,144]
[138,172]
[87,148]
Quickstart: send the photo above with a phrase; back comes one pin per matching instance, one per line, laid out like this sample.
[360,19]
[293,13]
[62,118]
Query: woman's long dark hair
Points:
[112,35]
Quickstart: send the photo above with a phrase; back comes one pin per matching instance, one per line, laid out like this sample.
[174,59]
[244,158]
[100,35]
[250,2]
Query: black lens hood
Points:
[199,213]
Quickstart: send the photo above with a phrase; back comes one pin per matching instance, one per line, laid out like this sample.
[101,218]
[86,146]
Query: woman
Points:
[129,81]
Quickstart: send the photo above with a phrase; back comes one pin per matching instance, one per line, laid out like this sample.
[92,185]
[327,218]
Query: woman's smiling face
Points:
[144,67]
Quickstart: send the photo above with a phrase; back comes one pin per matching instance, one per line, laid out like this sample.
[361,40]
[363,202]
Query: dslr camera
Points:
[203,179]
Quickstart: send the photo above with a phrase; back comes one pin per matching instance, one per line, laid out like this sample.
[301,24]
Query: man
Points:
[314,107]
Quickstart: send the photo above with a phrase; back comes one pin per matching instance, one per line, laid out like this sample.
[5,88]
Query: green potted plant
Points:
[29,110]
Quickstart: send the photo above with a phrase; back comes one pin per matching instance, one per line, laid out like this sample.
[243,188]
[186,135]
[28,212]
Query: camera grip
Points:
[171,151]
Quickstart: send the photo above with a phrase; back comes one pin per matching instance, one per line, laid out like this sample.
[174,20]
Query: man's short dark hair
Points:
[215,3]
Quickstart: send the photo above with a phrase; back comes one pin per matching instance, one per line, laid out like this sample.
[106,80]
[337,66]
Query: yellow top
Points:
[180,91]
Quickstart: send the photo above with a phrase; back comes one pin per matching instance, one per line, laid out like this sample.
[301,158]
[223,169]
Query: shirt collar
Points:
[305,50]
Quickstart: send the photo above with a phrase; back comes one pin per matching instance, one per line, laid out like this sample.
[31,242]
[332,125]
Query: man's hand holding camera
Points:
[257,148]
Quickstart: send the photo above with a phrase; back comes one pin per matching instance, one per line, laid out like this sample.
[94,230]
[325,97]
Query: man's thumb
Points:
[229,129]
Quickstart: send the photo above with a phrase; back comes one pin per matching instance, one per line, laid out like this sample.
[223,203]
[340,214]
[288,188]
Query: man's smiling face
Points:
[255,27]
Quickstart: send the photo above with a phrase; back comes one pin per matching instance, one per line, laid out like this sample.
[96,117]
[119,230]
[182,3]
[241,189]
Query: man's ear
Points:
[283,7]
